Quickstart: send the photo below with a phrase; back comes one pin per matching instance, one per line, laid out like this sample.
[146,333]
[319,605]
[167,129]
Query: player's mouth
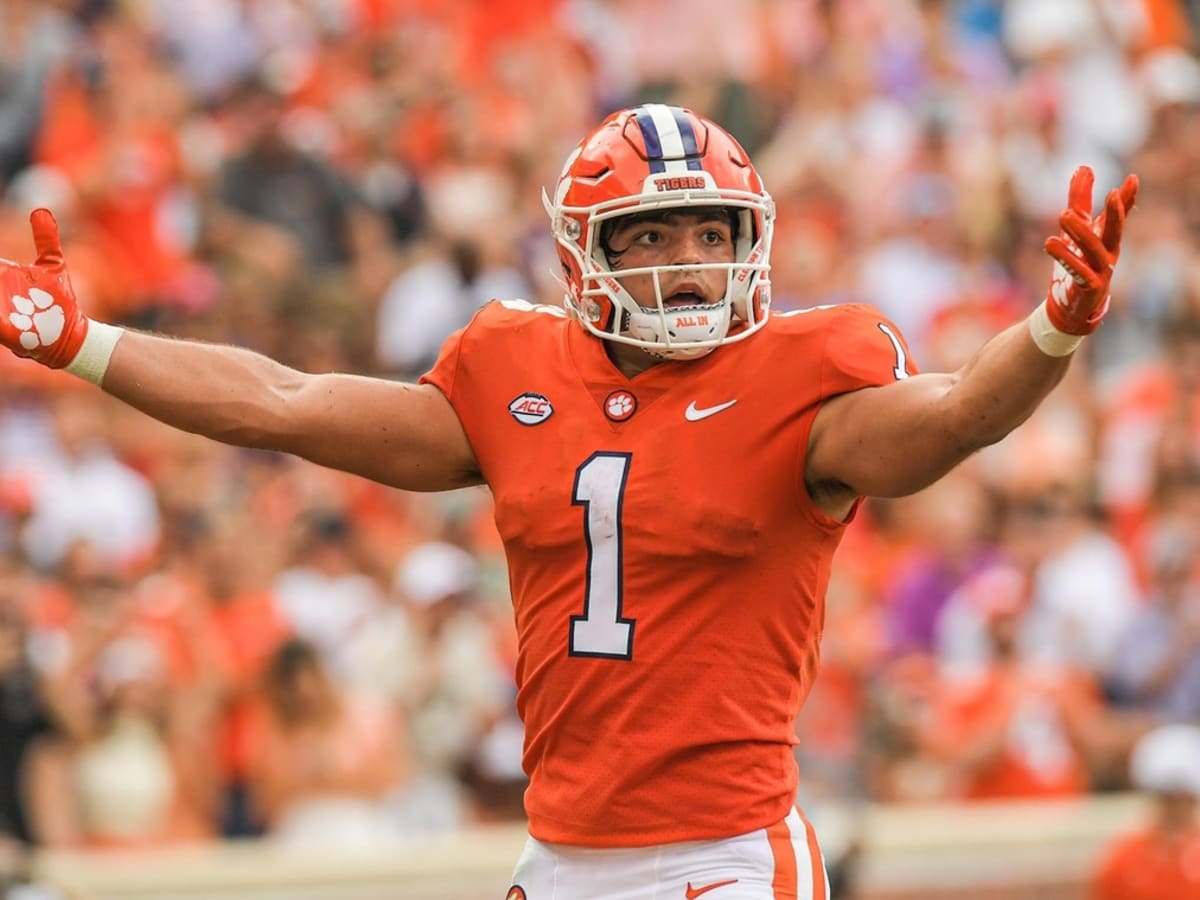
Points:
[686,295]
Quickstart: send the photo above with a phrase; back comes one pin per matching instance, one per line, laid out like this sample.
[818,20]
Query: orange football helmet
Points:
[657,157]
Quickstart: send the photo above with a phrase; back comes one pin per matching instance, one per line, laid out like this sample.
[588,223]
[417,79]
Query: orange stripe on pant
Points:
[820,889]
[785,884]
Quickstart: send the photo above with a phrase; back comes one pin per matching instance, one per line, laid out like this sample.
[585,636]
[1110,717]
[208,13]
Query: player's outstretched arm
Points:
[894,440]
[404,435]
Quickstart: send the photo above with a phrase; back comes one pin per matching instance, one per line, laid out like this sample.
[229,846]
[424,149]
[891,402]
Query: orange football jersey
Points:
[667,566]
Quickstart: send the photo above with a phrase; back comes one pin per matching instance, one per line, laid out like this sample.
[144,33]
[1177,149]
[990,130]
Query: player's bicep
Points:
[404,435]
[886,441]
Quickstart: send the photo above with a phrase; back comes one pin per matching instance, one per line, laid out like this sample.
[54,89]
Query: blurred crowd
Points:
[198,641]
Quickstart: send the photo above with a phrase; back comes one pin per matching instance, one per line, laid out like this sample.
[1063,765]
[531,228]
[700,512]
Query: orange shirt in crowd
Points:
[854,643]
[1166,24]
[1147,866]
[1013,731]
[1146,399]
[249,629]
[123,176]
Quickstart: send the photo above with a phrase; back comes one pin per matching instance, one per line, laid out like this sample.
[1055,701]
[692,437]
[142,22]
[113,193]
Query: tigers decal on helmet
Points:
[650,158]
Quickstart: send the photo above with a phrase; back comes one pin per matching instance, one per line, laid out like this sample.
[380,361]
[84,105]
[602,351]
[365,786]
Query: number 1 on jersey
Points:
[600,490]
[900,370]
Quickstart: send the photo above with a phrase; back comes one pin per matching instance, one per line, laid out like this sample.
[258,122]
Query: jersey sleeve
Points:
[479,347]
[455,374]
[445,367]
[475,350]
[864,349]
[475,366]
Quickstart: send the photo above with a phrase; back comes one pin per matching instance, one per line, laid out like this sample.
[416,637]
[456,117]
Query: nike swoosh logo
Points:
[692,893]
[694,414]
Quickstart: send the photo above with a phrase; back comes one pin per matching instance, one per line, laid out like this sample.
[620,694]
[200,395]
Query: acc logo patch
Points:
[516,892]
[620,405]
[531,409]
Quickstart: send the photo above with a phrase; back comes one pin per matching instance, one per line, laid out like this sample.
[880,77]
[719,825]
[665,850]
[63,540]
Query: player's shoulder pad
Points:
[499,321]
[515,313]
[860,346]
[499,332]
[832,315]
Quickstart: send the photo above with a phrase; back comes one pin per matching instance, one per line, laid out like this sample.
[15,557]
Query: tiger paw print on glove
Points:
[38,318]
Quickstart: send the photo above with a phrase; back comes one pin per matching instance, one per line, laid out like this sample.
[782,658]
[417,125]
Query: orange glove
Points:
[1085,254]
[39,316]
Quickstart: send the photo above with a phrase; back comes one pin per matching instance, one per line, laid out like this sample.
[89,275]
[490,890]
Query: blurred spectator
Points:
[213,42]
[915,270]
[248,630]
[1161,859]
[329,756]
[829,727]
[1083,589]
[325,597]
[1084,102]
[1158,662]
[25,717]
[279,203]
[35,38]
[124,773]
[1013,728]
[112,128]
[959,541]
[459,695]
[1150,424]
[433,298]
[899,766]
[101,275]
[82,491]
[128,770]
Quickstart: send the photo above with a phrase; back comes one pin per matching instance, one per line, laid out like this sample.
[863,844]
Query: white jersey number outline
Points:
[901,369]
[600,489]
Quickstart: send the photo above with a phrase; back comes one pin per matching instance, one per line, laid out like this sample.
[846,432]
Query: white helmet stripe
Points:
[669,138]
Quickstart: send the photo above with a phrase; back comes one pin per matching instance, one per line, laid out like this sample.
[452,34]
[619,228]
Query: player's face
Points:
[674,239]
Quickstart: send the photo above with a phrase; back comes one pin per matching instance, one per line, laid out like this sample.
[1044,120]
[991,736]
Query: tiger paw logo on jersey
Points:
[531,409]
[620,405]
[516,892]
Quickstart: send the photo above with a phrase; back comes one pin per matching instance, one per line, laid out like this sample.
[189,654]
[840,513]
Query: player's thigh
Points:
[782,862]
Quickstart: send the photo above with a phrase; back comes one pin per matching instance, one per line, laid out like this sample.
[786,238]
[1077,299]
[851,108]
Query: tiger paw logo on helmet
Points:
[516,892]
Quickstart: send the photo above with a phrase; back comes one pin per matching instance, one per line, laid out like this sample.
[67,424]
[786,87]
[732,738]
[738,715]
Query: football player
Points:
[672,468]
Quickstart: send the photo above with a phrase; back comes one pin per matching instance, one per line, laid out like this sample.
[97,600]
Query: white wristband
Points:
[91,362]
[1049,339]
